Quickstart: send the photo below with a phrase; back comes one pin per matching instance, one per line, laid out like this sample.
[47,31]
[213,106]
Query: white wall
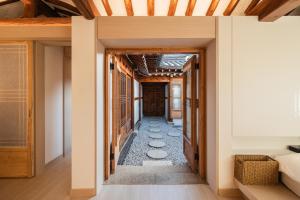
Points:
[266,83]
[136,102]
[211,116]
[53,102]
[84,104]
[100,116]
[67,100]
[258,88]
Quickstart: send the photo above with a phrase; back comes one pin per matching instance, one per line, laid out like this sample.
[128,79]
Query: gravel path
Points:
[139,148]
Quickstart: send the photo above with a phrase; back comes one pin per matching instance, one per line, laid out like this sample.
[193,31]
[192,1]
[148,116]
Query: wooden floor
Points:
[54,184]
[158,192]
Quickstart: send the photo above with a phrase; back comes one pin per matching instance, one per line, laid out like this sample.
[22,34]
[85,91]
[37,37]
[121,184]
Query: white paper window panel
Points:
[13,94]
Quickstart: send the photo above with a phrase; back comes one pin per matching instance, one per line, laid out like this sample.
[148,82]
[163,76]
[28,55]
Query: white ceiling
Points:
[161,7]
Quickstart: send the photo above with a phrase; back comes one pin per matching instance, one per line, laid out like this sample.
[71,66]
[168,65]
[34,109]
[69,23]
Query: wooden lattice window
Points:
[128,98]
[123,98]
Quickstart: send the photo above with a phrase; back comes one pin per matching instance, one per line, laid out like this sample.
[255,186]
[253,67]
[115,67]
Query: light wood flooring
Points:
[158,192]
[54,184]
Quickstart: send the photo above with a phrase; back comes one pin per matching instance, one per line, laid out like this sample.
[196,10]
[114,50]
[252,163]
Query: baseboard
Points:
[230,192]
[87,192]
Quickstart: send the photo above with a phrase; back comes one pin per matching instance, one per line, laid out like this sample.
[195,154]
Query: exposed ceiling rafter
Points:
[190,8]
[259,7]
[86,8]
[212,7]
[278,9]
[150,7]
[230,8]
[30,8]
[251,6]
[129,9]
[172,7]
[107,7]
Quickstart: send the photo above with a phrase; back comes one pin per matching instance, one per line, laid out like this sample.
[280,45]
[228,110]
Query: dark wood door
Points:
[154,99]
[189,113]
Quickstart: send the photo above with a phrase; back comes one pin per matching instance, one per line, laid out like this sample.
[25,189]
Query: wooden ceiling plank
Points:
[212,7]
[251,6]
[129,9]
[3,3]
[86,8]
[172,7]
[278,9]
[107,7]
[150,7]
[190,8]
[231,6]
[64,5]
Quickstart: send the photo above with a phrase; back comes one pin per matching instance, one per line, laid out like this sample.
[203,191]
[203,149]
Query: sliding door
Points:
[189,113]
[16,109]
[122,109]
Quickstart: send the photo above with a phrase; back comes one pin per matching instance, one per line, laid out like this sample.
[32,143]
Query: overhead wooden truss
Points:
[266,10]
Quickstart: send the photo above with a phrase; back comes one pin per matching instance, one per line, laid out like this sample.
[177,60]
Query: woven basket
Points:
[256,170]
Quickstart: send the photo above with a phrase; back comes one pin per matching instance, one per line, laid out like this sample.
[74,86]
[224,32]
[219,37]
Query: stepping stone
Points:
[154,122]
[157,163]
[155,136]
[173,134]
[157,144]
[157,154]
[154,130]
[154,125]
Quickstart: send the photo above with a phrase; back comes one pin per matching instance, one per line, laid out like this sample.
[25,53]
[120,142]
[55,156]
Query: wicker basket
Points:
[256,170]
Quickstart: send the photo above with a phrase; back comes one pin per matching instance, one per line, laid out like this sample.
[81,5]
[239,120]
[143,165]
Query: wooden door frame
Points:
[201,97]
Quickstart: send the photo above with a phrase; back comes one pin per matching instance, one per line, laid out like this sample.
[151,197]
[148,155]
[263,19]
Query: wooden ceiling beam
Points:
[87,8]
[190,8]
[230,8]
[129,9]
[278,9]
[3,3]
[107,7]
[212,7]
[259,7]
[150,7]
[251,6]
[172,7]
